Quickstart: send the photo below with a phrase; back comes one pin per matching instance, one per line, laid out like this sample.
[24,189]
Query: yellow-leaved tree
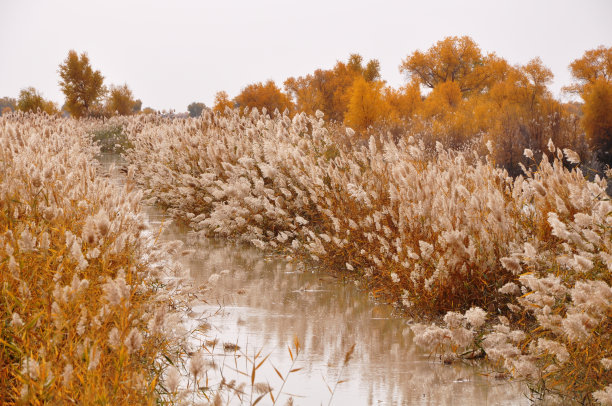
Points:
[366,104]
[82,86]
[519,112]
[31,100]
[405,102]
[329,90]
[7,105]
[120,101]
[593,82]
[260,95]
[222,101]
[597,118]
[454,59]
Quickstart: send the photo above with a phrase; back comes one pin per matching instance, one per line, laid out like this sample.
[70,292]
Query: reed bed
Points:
[514,269]
[96,309]
[90,301]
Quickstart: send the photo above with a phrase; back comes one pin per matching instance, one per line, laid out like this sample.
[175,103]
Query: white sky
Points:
[175,52]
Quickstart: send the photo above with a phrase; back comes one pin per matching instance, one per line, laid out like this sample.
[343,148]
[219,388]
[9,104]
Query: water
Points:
[262,303]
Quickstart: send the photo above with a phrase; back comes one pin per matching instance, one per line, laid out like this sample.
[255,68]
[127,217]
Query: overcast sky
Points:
[175,52]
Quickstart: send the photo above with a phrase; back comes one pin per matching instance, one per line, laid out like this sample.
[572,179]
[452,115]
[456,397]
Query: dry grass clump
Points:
[442,232]
[86,293]
[558,329]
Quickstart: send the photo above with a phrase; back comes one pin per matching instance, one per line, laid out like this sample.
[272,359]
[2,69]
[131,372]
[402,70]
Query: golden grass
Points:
[79,298]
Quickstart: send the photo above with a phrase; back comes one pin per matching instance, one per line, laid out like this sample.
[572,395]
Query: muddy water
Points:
[262,303]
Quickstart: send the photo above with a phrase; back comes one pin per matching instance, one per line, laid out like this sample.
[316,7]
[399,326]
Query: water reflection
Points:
[263,302]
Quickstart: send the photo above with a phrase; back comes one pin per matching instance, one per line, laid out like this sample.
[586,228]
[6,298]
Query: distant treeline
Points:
[458,96]
[454,94]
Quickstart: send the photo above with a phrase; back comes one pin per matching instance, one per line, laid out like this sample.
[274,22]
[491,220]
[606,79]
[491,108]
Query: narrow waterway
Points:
[262,303]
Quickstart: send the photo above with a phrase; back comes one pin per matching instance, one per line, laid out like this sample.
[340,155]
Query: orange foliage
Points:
[519,112]
[148,110]
[453,59]
[120,101]
[597,120]
[367,104]
[222,101]
[593,75]
[31,100]
[445,96]
[474,97]
[329,90]
[594,64]
[404,102]
[261,96]
[450,115]
[538,76]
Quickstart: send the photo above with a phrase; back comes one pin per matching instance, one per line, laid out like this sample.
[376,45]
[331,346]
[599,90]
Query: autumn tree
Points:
[537,101]
[120,101]
[328,90]
[519,112]
[593,81]
[500,113]
[371,72]
[445,96]
[195,109]
[595,64]
[448,117]
[404,102]
[366,104]
[454,59]
[311,92]
[538,76]
[597,118]
[31,100]
[475,94]
[222,101]
[371,103]
[82,86]
[260,95]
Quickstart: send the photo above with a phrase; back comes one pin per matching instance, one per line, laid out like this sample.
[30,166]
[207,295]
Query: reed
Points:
[517,268]
[87,294]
